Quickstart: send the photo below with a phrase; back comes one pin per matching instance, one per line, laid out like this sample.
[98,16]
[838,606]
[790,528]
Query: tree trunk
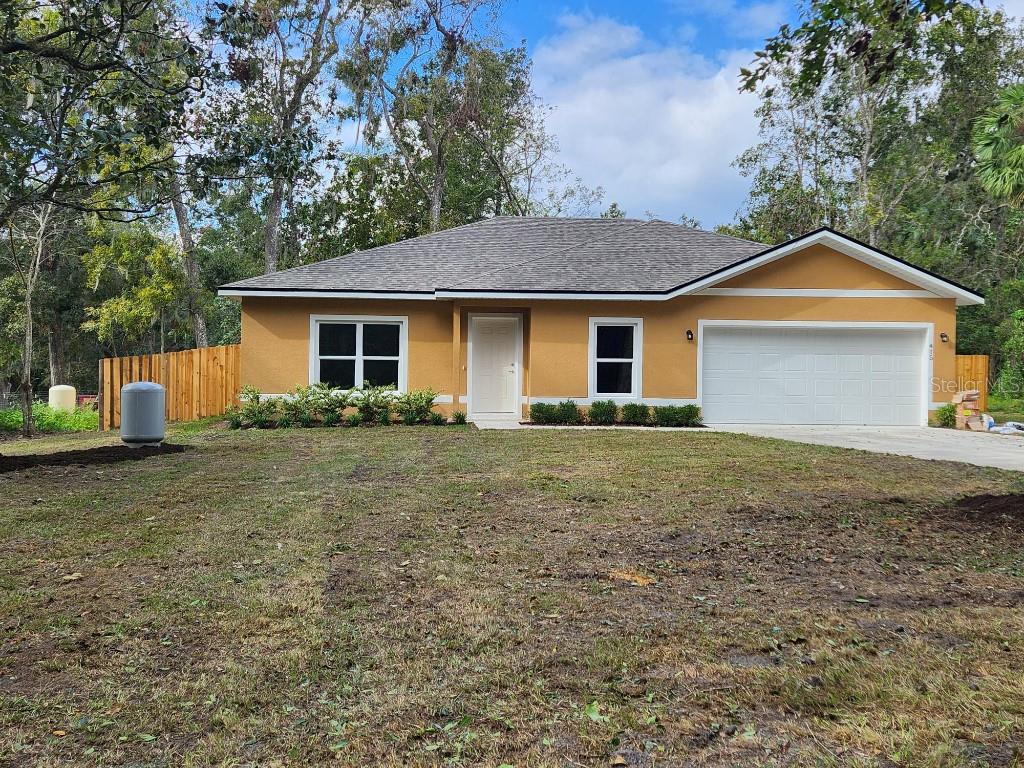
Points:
[26,371]
[188,248]
[272,245]
[30,276]
[437,191]
[55,346]
[435,207]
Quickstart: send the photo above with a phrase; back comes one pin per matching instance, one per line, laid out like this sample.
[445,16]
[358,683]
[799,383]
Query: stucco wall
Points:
[275,331]
[818,266]
[275,339]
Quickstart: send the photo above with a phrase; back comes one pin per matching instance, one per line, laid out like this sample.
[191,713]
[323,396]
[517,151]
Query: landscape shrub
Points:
[234,418]
[946,416]
[301,407]
[459,417]
[677,415]
[329,403]
[692,415]
[374,403]
[256,410]
[437,419]
[354,419]
[569,413]
[10,420]
[636,414]
[416,406]
[47,419]
[602,412]
[543,413]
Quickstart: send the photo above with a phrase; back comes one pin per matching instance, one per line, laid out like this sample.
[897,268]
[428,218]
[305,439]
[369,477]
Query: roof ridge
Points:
[546,254]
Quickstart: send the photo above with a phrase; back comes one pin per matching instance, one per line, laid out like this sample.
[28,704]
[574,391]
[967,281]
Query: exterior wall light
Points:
[689,335]
[944,337]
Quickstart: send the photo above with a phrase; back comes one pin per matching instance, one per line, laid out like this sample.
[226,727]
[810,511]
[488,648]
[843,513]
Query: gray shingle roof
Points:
[509,253]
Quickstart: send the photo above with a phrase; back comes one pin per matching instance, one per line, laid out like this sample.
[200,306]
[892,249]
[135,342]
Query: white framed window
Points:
[348,350]
[616,357]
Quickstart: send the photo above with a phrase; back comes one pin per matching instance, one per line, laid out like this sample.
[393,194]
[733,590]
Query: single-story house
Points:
[511,311]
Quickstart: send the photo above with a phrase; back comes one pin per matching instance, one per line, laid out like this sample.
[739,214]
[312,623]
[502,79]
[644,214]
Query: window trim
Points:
[402,321]
[637,360]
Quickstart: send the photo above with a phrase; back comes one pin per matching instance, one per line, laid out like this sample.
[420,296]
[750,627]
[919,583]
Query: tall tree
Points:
[833,34]
[799,178]
[140,277]
[412,68]
[82,81]
[267,121]
[999,146]
[193,280]
[31,239]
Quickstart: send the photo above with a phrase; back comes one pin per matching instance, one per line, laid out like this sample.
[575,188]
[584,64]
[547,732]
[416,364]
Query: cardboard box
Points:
[966,395]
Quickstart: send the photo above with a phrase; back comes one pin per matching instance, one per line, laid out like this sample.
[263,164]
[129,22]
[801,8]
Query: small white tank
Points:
[142,413]
[63,397]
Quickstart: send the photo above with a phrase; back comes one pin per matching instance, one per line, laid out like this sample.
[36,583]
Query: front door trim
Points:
[516,412]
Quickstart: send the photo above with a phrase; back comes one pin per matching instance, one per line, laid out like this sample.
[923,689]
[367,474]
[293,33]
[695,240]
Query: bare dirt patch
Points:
[109,454]
[999,509]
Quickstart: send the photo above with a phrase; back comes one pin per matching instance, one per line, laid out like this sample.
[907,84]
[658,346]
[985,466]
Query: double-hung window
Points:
[348,351]
[615,357]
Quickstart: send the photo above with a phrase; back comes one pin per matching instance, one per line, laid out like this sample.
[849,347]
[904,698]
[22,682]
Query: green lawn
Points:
[1004,409]
[442,596]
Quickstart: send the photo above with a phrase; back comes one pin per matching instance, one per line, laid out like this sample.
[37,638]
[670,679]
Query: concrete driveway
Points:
[979,448]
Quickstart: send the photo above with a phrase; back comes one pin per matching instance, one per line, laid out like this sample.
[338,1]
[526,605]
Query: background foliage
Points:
[190,145]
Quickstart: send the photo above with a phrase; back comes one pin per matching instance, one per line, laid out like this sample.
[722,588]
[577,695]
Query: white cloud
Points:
[745,21]
[656,125]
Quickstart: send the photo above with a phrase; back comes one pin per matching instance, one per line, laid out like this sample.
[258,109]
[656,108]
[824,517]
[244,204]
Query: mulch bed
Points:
[107,454]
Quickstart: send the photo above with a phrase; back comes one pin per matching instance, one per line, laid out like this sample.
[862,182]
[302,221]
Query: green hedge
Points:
[602,412]
[677,416]
[606,412]
[544,413]
[636,414]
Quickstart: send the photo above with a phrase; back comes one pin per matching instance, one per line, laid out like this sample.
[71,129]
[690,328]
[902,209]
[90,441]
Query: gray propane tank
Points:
[142,413]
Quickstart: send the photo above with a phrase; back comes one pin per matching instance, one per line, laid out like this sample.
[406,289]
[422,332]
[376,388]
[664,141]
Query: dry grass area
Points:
[442,596]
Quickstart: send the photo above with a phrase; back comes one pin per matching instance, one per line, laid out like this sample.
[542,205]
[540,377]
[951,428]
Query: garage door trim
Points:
[927,353]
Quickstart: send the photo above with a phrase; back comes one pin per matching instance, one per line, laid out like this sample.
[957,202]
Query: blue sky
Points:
[645,94]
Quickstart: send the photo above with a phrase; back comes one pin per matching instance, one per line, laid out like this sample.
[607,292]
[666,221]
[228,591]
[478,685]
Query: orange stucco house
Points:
[510,311]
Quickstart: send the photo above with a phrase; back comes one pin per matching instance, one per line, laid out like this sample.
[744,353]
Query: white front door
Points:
[493,365]
[780,375]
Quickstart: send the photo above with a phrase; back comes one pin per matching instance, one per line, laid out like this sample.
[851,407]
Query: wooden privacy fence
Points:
[972,373]
[199,382]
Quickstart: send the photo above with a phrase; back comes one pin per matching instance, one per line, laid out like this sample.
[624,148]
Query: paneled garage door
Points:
[780,375]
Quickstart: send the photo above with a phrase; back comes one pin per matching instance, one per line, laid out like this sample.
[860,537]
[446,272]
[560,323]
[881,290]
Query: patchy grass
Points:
[1004,409]
[423,596]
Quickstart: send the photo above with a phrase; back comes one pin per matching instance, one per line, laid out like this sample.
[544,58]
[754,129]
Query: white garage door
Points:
[812,376]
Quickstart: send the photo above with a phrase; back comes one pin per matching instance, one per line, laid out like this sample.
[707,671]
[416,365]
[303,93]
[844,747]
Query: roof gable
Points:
[818,266]
[919,277]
